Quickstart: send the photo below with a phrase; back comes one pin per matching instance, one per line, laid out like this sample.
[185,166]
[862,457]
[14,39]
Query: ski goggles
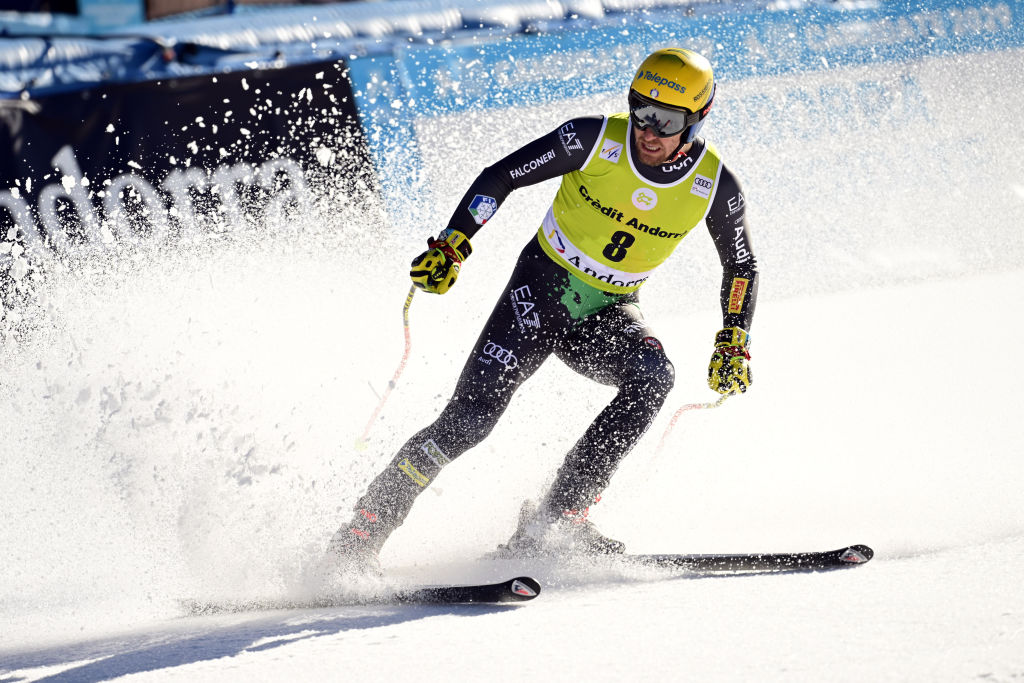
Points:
[664,121]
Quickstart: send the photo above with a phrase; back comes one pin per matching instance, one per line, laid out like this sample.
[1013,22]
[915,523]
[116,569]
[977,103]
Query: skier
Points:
[633,185]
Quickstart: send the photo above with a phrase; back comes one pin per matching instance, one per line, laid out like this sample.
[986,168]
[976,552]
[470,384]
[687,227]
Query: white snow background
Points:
[182,425]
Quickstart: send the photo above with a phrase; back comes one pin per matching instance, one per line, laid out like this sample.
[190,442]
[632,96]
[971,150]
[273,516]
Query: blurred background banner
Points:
[231,106]
[167,154]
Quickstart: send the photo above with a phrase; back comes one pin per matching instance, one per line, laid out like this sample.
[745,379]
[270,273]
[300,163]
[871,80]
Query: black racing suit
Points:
[544,310]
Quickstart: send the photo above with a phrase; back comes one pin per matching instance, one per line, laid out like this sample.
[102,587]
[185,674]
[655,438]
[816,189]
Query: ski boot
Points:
[546,533]
[352,554]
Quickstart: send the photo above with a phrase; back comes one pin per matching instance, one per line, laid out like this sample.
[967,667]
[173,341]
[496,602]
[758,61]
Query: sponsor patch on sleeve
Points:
[738,293]
[434,452]
[410,471]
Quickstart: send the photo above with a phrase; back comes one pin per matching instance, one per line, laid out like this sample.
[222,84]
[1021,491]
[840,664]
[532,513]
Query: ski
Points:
[519,589]
[849,556]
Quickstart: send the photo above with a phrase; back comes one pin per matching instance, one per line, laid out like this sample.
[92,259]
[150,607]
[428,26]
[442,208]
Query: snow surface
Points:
[207,402]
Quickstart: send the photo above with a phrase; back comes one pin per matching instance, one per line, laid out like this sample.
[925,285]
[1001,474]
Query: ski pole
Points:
[361,442]
[691,406]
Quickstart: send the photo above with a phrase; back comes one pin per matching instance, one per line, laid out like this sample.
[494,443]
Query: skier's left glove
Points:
[436,269]
[729,369]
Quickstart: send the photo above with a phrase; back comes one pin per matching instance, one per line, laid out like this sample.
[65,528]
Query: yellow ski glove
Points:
[729,370]
[436,269]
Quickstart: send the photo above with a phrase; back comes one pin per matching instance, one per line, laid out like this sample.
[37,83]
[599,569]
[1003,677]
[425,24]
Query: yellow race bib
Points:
[610,226]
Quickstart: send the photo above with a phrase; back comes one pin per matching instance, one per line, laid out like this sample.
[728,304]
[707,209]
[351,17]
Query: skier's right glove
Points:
[728,370]
[436,269]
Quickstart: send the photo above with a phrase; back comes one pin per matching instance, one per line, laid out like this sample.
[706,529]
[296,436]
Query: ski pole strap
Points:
[733,341]
[452,244]
[691,406]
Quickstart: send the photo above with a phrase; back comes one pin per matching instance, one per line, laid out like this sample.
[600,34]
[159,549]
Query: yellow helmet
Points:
[672,93]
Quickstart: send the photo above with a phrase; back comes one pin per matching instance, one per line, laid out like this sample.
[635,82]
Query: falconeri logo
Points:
[529,166]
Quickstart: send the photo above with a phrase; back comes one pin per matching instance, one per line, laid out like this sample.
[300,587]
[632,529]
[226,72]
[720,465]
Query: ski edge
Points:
[847,556]
[516,590]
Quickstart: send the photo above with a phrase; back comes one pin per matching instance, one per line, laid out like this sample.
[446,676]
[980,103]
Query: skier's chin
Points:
[652,158]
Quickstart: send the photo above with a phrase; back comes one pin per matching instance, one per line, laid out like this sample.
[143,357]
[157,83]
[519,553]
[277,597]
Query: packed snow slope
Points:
[182,424]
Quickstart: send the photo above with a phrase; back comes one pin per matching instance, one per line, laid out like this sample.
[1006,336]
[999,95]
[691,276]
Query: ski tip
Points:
[856,554]
[523,588]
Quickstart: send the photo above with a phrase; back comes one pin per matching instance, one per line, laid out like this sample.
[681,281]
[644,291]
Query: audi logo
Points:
[502,355]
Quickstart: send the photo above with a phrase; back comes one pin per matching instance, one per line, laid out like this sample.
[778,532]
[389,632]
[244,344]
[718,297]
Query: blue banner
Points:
[504,71]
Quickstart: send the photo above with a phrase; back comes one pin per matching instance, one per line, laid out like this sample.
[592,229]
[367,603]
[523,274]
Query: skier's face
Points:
[652,150]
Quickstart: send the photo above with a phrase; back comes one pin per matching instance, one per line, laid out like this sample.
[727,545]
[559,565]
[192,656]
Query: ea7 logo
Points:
[570,141]
[736,203]
[523,305]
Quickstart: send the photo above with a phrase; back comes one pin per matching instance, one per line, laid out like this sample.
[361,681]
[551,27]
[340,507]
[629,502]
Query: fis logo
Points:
[611,151]
[558,236]
[482,208]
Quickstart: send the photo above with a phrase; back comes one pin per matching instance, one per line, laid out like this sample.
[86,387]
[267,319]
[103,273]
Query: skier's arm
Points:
[562,150]
[727,223]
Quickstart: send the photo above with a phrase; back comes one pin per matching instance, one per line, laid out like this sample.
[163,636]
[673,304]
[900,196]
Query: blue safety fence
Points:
[419,80]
